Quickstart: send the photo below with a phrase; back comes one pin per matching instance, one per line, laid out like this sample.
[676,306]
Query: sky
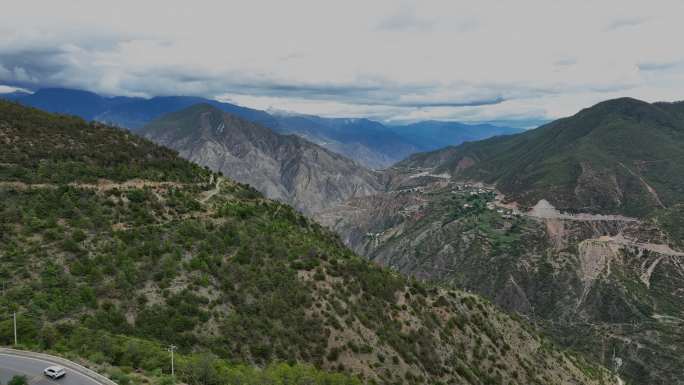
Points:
[516,62]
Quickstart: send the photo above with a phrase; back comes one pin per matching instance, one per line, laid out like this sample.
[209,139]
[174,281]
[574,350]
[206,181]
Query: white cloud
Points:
[485,60]
[406,19]
[628,22]
[8,89]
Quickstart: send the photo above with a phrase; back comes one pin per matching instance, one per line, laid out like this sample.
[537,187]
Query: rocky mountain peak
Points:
[283,167]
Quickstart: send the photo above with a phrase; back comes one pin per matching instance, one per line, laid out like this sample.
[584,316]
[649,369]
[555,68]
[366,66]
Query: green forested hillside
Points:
[112,248]
[620,156]
[46,148]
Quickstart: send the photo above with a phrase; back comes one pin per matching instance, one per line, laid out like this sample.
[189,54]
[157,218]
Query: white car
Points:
[54,372]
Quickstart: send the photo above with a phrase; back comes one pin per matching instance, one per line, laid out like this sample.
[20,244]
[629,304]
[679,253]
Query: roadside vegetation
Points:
[18,380]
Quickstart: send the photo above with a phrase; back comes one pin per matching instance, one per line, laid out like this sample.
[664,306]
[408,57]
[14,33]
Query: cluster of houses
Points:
[474,190]
[505,213]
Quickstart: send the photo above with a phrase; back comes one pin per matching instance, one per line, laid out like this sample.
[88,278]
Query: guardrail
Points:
[61,361]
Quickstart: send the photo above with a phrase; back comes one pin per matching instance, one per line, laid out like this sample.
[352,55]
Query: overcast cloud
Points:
[485,60]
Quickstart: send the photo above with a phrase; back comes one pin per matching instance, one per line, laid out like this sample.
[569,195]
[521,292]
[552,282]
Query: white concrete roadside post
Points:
[171,349]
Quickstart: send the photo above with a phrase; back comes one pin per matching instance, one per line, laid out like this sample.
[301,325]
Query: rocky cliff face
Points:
[283,167]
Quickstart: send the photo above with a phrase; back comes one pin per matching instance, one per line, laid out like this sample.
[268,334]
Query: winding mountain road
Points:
[32,365]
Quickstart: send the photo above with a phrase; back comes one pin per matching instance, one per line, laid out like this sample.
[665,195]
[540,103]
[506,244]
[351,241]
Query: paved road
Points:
[32,368]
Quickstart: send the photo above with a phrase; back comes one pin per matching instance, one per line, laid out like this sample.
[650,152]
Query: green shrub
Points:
[18,380]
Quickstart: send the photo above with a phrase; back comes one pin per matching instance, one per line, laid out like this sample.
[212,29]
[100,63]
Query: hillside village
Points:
[471,197]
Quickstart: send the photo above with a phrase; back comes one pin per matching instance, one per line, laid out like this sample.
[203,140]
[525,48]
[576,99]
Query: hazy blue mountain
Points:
[128,112]
[378,145]
[369,142]
[85,104]
[431,134]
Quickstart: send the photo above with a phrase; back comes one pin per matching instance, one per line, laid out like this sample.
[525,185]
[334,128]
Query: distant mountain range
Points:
[371,143]
[122,111]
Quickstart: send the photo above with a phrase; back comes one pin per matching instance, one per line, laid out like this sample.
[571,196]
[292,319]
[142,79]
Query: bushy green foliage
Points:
[154,360]
[18,380]
[234,269]
[672,221]
[38,147]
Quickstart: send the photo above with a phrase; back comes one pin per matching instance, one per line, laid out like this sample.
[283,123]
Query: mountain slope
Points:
[371,143]
[620,156]
[598,282]
[168,252]
[283,167]
[431,135]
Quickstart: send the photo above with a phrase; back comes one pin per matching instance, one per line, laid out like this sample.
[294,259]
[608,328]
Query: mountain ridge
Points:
[126,112]
[283,167]
[371,143]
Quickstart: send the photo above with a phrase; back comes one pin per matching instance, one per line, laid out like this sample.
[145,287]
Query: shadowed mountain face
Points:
[112,248]
[370,143]
[283,167]
[620,156]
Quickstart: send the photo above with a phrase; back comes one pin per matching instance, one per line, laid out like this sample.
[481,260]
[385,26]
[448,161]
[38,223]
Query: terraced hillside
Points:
[113,247]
